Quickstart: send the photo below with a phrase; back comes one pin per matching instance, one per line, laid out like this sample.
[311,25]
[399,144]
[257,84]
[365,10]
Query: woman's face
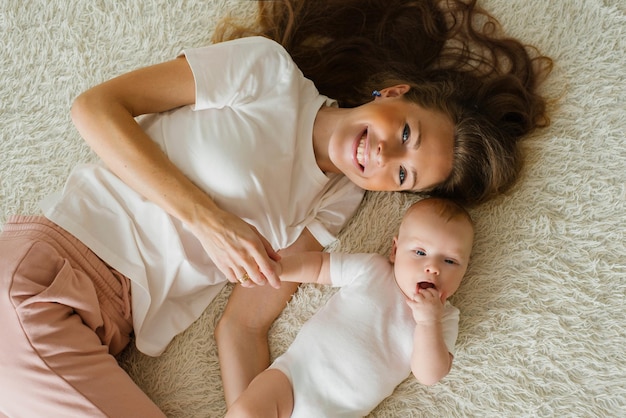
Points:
[393,144]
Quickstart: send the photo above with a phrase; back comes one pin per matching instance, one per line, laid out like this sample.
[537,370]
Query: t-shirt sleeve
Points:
[450,322]
[346,268]
[236,71]
[335,209]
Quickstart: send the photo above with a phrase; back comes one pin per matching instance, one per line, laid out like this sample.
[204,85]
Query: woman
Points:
[168,221]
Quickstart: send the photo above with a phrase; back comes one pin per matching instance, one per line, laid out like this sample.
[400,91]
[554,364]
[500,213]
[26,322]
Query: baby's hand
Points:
[426,306]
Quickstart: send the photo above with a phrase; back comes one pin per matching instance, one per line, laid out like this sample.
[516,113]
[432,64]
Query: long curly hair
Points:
[452,53]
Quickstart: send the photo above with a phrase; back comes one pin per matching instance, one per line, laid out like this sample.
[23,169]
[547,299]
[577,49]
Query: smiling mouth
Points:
[360,151]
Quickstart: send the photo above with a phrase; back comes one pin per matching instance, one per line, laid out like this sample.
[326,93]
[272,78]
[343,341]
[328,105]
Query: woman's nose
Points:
[385,152]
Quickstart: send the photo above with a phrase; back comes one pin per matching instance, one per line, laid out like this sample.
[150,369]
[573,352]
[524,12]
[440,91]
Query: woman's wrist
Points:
[201,213]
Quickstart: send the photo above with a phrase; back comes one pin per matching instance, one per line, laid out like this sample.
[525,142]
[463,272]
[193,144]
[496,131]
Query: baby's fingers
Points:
[413,304]
[429,294]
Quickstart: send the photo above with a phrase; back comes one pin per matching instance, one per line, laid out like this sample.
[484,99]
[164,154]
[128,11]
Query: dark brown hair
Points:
[452,54]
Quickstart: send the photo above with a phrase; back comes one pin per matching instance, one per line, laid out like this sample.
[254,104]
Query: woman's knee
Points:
[252,311]
[28,265]
[242,410]
[269,395]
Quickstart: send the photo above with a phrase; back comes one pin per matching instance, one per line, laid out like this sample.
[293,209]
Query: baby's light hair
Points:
[448,209]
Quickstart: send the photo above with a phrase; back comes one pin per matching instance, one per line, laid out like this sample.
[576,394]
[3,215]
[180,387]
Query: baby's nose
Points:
[432,269]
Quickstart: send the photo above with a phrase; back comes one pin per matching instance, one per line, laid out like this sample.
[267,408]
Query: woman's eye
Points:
[406,133]
[420,252]
[402,175]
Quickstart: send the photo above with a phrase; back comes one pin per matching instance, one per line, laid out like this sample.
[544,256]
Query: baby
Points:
[390,318]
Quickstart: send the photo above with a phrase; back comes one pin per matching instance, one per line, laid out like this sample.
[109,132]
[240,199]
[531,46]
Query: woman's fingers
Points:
[241,253]
[260,271]
[253,261]
[265,265]
[257,258]
[269,250]
[245,280]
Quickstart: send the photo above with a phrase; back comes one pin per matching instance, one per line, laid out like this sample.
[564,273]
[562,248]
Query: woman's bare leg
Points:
[269,395]
[241,334]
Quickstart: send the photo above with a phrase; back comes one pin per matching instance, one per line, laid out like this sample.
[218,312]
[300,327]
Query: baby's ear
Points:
[394,248]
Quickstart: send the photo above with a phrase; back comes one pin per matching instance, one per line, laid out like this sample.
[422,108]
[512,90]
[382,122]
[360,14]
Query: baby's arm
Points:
[305,267]
[430,361]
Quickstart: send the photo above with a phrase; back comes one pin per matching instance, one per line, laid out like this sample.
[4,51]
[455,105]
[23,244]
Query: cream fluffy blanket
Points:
[543,307]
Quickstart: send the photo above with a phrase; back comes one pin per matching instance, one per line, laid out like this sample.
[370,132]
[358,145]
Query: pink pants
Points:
[64,313]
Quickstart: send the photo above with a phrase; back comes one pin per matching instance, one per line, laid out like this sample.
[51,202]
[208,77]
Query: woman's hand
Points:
[238,249]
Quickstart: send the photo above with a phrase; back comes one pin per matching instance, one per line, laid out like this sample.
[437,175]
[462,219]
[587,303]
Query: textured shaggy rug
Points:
[543,307]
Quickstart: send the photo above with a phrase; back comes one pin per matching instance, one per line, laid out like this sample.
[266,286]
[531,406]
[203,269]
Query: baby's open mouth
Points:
[426,285]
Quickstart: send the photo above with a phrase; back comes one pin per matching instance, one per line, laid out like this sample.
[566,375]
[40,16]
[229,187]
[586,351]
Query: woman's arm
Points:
[104,116]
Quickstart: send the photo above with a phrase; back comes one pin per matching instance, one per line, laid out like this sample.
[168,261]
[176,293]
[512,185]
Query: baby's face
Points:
[431,251]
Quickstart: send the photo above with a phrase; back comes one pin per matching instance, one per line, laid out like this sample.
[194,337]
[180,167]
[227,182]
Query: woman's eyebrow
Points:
[414,175]
[418,140]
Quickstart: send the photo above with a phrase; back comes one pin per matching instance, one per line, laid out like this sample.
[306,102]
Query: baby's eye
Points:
[420,252]
[406,133]
[448,261]
[402,175]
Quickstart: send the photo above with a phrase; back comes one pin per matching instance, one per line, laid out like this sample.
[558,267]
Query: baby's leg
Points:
[269,395]
[53,322]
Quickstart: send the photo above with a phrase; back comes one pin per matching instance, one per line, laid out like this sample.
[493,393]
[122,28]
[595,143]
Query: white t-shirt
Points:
[247,142]
[357,348]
